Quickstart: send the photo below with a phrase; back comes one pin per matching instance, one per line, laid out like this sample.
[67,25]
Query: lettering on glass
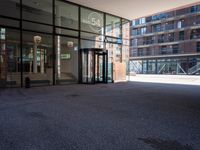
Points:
[95,21]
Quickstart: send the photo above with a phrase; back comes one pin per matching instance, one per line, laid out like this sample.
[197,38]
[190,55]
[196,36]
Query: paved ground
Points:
[122,116]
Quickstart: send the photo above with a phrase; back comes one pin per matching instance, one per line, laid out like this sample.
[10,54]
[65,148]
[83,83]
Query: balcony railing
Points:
[166,51]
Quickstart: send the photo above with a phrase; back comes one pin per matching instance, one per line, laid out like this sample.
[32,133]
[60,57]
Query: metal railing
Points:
[194,69]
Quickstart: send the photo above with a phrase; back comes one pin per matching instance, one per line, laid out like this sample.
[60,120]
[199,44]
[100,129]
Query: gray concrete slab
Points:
[122,116]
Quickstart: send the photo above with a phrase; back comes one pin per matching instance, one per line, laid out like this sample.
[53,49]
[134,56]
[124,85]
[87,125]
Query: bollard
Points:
[27,82]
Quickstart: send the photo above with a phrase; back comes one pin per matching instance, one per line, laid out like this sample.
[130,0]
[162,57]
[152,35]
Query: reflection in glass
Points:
[37,57]
[66,15]
[92,21]
[10,8]
[91,44]
[38,11]
[113,25]
[9,57]
[66,60]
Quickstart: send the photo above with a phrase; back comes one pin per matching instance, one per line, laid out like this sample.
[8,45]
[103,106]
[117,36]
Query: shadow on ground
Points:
[160,144]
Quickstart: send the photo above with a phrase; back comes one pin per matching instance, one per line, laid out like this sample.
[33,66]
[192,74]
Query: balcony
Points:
[153,52]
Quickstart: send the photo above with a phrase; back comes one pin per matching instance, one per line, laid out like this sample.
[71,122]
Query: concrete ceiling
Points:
[132,9]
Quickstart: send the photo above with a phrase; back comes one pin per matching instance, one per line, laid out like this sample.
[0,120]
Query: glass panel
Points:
[151,66]
[66,60]
[125,53]
[9,57]
[110,70]
[136,67]
[125,29]
[167,66]
[38,10]
[99,68]
[92,21]
[66,32]
[84,66]
[182,66]
[91,44]
[114,51]
[113,25]
[37,27]
[9,22]
[94,37]
[10,8]
[37,58]
[144,66]
[111,48]
[66,15]
[198,47]
[90,76]
[87,66]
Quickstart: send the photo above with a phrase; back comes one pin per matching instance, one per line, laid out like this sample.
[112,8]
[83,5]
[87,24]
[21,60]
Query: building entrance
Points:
[93,66]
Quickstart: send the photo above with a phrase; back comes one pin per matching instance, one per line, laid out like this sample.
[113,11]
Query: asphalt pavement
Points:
[121,116]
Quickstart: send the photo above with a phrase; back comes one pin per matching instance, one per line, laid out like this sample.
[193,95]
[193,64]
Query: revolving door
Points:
[93,66]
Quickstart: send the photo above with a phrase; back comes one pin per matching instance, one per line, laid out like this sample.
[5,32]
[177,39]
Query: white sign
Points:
[95,21]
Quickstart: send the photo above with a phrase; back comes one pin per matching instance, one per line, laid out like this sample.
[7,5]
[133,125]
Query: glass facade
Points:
[41,40]
[172,66]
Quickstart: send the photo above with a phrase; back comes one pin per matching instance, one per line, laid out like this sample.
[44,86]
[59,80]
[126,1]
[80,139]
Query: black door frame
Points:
[95,52]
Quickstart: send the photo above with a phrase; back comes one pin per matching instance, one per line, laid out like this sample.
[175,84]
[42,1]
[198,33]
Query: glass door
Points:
[101,67]
[93,66]
[87,66]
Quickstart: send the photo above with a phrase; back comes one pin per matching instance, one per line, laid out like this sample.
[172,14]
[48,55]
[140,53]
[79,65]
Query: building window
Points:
[195,34]
[134,32]
[10,8]
[92,21]
[156,28]
[141,52]
[164,50]
[148,19]
[37,56]
[142,20]
[151,66]
[10,56]
[133,23]
[134,42]
[194,9]
[171,37]
[182,11]
[169,25]
[181,35]
[149,40]
[161,38]
[180,24]
[175,48]
[143,30]
[197,19]
[114,24]
[133,53]
[137,22]
[198,46]
[66,15]
[38,11]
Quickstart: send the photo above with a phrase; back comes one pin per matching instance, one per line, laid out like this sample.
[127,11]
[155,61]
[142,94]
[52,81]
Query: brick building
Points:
[167,42]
